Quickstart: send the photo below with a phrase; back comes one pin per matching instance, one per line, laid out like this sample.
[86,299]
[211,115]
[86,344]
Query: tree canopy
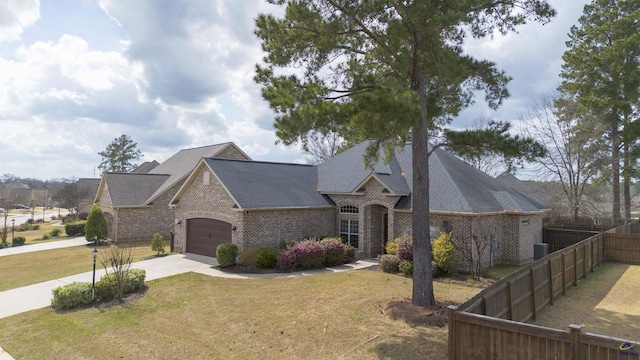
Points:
[602,69]
[120,155]
[389,71]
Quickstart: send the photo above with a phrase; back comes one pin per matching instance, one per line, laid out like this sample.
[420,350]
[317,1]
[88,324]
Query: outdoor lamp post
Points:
[93,283]
[13,225]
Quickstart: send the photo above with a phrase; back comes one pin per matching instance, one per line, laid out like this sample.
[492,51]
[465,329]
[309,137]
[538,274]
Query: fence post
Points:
[550,268]
[564,275]
[452,331]
[533,293]
[510,300]
[575,266]
[574,339]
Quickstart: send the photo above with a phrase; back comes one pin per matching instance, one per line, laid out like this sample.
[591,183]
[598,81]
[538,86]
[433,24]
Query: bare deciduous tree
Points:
[321,146]
[70,196]
[118,259]
[571,135]
[473,250]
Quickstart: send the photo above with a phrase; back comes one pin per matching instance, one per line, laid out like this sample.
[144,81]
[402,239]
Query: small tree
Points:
[471,251]
[70,196]
[119,260]
[157,243]
[96,226]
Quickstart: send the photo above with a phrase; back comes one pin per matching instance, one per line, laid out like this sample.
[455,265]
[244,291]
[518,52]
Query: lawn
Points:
[606,302]
[355,314]
[31,268]
[35,236]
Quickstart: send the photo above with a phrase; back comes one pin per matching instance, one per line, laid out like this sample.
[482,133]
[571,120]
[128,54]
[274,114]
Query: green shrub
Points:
[406,267]
[392,246]
[46,237]
[157,243]
[107,286]
[35,227]
[267,258]
[249,256]
[285,244]
[389,263]
[18,240]
[226,254]
[96,225]
[334,251]
[71,295]
[443,253]
[349,253]
[55,232]
[74,229]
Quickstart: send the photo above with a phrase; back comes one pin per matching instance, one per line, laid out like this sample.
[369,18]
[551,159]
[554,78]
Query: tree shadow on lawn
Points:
[605,303]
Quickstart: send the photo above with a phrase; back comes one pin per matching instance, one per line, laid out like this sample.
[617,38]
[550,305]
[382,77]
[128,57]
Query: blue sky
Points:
[75,74]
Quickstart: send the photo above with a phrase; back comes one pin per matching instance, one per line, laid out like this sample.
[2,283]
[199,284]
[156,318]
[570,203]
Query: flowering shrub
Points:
[349,253]
[392,246]
[443,253]
[405,249]
[308,254]
[389,263]
[334,251]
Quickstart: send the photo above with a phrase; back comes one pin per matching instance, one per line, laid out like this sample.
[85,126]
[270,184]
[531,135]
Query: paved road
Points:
[59,244]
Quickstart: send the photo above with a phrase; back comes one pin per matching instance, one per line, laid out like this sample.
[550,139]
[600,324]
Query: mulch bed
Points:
[413,315]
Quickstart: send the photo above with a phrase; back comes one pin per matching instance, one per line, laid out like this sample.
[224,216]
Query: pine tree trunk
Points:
[615,171]
[422,270]
[627,181]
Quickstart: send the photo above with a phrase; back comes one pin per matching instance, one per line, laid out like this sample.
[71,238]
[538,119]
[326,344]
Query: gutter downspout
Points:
[116,224]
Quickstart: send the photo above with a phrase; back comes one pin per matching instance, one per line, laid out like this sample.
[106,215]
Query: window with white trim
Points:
[349,231]
[349,225]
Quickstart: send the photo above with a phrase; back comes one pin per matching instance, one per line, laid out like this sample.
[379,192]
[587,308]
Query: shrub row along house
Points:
[223,196]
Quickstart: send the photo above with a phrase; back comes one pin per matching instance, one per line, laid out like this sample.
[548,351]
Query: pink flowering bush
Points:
[308,254]
[405,249]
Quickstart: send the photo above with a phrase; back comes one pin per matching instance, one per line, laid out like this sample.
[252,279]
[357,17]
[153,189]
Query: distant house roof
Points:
[88,187]
[145,167]
[530,188]
[454,186]
[269,185]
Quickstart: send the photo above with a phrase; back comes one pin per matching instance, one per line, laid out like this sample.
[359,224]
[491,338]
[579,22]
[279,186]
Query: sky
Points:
[174,74]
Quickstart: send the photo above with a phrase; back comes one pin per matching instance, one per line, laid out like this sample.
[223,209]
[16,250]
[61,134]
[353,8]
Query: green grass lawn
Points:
[192,316]
[31,268]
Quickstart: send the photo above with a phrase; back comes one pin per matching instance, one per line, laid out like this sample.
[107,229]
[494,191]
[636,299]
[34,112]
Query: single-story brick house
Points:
[136,204]
[255,204]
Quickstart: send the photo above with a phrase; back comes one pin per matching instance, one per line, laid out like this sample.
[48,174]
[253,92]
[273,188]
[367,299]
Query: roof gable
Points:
[180,165]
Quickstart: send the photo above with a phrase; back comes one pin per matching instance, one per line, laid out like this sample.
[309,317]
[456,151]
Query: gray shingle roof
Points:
[145,167]
[262,185]
[128,189]
[88,187]
[180,165]
[454,186]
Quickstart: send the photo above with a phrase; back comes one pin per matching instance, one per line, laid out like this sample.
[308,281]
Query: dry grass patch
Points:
[31,268]
[606,302]
[190,316]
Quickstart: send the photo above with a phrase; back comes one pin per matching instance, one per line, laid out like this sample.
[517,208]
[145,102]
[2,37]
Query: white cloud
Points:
[15,15]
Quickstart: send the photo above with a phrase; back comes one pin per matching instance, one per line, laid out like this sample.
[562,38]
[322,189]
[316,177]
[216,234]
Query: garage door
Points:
[204,235]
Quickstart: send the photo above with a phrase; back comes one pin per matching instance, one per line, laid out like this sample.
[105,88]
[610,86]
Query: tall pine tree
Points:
[602,69]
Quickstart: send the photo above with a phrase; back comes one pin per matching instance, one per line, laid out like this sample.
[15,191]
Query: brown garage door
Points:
[204,235]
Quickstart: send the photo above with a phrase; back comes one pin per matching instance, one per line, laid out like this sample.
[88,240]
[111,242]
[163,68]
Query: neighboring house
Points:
[136,205]
[256,204]
[87,188]
[530,188]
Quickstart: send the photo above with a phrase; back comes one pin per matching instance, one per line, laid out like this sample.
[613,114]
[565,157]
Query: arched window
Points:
[349,209]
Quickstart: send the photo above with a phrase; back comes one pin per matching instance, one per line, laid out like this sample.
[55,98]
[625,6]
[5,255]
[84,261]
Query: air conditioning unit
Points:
[540,250]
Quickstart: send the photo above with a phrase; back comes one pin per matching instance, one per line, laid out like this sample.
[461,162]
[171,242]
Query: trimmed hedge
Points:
[334,251]
[389,263]
[74,229]
[18,241]
[71,295]
[267,258]
[226,254]
[308,254]
[107,286]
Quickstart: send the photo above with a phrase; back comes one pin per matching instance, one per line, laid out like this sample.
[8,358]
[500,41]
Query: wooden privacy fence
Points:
[490,325]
